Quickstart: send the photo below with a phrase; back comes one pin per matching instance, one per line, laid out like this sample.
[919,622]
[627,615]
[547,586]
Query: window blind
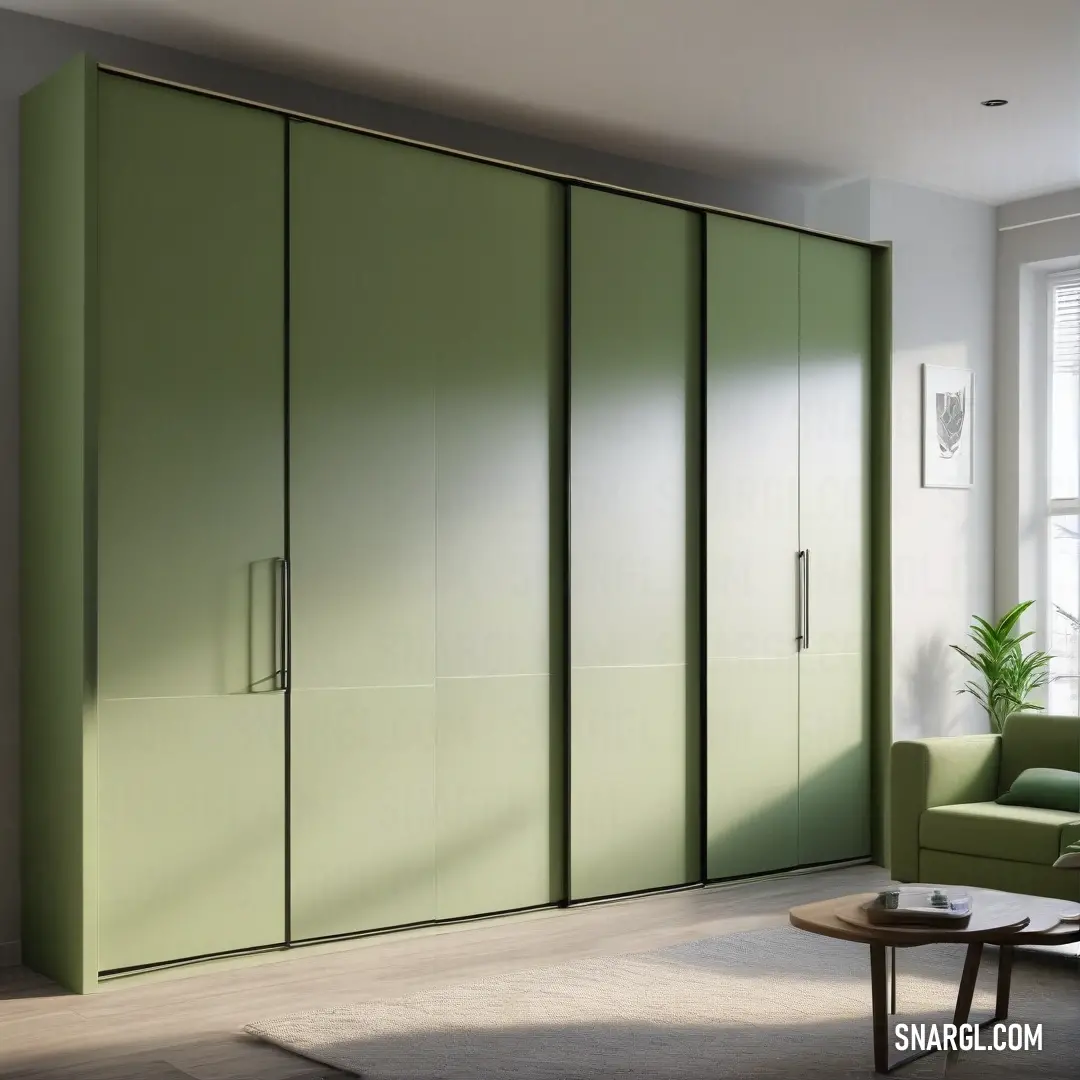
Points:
[1065,326]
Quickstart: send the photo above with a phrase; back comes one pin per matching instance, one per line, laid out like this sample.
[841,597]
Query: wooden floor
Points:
[191,1026]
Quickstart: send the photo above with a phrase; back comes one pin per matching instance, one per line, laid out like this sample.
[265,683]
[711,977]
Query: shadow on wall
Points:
[929,705]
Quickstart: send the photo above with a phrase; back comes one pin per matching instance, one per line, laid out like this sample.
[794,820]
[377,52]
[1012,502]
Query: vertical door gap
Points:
[287,597]
[565,659]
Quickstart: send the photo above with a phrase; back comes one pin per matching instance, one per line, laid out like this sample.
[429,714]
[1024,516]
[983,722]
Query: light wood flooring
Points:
[191,1026]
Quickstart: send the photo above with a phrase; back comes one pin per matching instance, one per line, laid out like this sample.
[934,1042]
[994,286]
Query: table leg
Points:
[879,997]
[962,1013]
[1004,982]
[884,1003]
[967,983]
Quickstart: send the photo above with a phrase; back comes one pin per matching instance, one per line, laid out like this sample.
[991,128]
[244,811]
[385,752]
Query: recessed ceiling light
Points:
[994,102]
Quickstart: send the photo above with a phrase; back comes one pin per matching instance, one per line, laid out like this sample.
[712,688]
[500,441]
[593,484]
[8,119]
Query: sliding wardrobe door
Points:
[191,842]
[752,540]
[633,351]
[834,715]
[425,341]
[493,307]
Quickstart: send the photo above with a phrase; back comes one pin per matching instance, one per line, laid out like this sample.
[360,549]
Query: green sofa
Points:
[945,826]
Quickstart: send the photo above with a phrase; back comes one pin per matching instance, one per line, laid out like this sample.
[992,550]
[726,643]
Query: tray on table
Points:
[915,907]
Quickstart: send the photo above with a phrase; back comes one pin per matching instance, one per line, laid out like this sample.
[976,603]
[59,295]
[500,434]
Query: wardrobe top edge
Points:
[568,178]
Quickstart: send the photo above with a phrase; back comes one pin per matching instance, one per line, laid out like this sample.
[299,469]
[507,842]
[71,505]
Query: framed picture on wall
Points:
[947,420]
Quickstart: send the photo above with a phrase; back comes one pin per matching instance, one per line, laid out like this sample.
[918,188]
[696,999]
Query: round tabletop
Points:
[994,916]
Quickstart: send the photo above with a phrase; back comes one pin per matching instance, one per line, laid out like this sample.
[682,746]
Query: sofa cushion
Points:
[988,829]
[1037,741]
[1070,858]
[1053,789]
[1070,836]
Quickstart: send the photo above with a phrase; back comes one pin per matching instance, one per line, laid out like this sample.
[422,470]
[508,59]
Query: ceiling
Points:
[801,92]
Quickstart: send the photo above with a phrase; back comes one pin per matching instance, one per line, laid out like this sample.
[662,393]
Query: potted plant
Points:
[1009,677]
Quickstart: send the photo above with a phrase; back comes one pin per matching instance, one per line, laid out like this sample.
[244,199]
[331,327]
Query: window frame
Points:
[1052,508]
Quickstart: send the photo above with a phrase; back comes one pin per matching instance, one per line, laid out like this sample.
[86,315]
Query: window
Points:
[1063,561]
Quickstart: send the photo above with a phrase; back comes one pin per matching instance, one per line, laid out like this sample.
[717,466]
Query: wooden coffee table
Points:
[993,921]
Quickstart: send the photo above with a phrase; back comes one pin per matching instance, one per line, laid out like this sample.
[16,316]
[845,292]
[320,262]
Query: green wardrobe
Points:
[408,537]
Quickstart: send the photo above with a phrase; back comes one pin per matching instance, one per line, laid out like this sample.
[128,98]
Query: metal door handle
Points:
[801,572]
[281,626]
[806,599]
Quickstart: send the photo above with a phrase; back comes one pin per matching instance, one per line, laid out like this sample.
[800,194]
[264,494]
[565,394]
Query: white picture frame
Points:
[948,419]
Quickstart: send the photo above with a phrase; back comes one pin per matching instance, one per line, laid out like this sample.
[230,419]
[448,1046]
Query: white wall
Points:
[1035,236]
[942,540]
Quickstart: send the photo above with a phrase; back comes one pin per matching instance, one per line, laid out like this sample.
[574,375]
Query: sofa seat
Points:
[1017,833]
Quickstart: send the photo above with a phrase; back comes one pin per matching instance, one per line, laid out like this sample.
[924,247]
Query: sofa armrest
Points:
[935,772]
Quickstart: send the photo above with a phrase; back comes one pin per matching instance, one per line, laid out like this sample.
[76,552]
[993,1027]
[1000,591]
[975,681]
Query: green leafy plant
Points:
[1009,677]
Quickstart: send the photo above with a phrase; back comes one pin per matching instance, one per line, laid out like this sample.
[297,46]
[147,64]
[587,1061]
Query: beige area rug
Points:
[773,1003]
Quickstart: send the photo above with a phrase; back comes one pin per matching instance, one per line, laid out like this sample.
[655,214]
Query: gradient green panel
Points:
[363,534]
[633,324]
[191,822]
[192,385]
[752,538]
[363,813]
[493,310]
[364,349]
[492,307]
[834,730]
[191,500]
[753,748]
[834,757]
[57,343]
[498,839]
[632,826]
[633,319]
[425,347]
